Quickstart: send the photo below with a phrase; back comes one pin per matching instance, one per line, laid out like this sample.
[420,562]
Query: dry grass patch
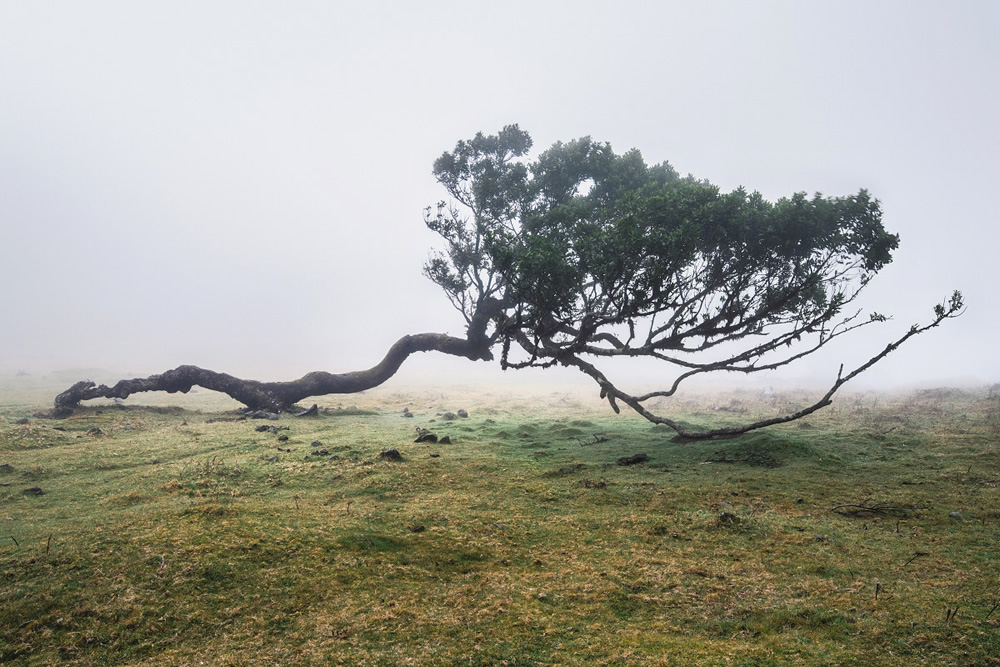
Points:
[176,537]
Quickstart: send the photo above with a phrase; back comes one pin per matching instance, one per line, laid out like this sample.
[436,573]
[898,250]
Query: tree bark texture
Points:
[277,395]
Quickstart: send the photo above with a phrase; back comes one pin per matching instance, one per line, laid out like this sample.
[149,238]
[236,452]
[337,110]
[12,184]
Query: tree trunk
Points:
[279,395]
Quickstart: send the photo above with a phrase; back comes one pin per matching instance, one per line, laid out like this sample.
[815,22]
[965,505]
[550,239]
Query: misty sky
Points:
[239,184]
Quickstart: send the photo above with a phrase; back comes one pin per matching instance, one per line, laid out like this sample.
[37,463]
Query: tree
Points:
[583,255]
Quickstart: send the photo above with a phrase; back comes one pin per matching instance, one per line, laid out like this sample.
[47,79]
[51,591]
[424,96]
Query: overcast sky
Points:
[239,184]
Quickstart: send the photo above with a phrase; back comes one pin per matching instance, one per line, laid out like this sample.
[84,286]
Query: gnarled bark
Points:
[279,395]
[282,395]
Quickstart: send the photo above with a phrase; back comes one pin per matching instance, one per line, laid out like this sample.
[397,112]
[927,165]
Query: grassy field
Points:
[176,534]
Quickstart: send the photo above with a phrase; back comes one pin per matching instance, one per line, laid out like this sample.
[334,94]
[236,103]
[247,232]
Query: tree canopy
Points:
[583,254]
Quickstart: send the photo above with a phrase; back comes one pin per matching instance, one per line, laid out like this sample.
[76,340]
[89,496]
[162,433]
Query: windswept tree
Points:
[582,255]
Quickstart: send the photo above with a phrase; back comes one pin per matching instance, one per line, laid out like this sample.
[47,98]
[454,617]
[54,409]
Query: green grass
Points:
[179,536]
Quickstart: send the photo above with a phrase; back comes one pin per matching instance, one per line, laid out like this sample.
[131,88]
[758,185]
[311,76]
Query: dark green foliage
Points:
[582,239]
[583,252]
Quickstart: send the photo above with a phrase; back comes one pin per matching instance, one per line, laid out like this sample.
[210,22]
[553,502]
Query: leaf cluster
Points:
[582,242]
[583,253]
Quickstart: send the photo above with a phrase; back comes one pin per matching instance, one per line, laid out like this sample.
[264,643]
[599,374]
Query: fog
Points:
[239,185]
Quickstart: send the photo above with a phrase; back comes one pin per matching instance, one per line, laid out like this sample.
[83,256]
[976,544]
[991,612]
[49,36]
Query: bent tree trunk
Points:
[277,395]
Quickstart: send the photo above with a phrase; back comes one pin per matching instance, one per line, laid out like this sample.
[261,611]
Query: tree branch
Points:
[282,395]
[950,310]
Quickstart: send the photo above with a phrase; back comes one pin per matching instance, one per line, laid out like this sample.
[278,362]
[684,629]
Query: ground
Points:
[168,532]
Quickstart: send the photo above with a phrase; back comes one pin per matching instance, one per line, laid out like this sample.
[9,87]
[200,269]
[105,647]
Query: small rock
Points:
[417,529]
[632,460]
[423,435]
[448,416]
[95,432]
[391,455]
[282,438]
[434,455]
[463,414]
[6,467]
[445,440]
[264,428]
[334,458]
[316,443]
[799,501]
[283,450]
[320,452]
[273,459]
[128,427]
[22,421]
[311,412]
[566,470]
[408,414]
[33,491]
[956,516]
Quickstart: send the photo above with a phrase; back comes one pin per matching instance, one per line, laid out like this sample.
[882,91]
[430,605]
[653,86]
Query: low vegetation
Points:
[183,535]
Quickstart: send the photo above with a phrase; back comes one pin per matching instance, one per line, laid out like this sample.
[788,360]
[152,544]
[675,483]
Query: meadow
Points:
[169,531]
